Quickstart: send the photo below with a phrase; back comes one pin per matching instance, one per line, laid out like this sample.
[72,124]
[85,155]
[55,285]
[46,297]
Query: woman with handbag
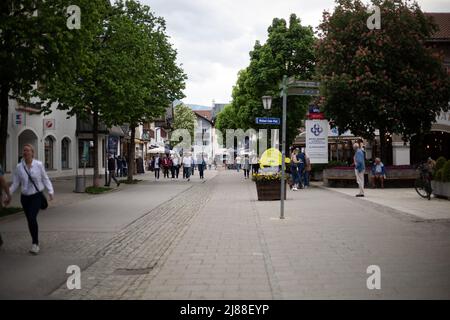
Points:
[31,176]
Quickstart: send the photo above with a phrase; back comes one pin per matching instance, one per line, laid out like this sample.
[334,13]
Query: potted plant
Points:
[441,178]
[268,186]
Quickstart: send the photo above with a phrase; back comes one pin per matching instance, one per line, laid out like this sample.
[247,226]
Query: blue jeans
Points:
[306,178]
[295,174]
[31,206]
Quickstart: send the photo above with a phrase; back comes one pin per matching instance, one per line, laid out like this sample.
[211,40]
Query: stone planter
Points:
[441,189]
[269,190]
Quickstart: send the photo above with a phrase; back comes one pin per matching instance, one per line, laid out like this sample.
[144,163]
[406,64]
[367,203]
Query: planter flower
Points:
[268,186]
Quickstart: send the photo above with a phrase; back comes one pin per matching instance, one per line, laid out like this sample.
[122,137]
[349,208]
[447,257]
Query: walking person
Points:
[187,163]
[301,167]
[112,171]
[201,167]
[175,166]
[307,171]
[119,166]
[7,196]
[156,164]
[246,166]
[238,163]
[294,170]
[360,168]
[166,164]
[192,166]
[31,176]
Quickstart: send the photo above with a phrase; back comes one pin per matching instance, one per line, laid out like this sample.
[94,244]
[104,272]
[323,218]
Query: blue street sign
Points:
[275,121]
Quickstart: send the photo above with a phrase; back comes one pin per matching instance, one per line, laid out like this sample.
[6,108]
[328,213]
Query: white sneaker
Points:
[294,189]
[34,249]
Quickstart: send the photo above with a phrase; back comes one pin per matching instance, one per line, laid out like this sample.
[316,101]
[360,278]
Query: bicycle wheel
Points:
[420,186]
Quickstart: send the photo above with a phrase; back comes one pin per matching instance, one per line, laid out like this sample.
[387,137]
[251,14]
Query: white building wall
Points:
[32,130]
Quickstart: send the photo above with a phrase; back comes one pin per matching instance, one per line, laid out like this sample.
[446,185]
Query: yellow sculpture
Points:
[271,158]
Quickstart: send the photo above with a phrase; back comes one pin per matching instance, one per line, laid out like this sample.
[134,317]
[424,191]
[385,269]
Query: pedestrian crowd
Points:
[172,164]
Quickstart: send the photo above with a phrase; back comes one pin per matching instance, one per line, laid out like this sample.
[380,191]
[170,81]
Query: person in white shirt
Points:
[187,163]
[32,189]
[175,166]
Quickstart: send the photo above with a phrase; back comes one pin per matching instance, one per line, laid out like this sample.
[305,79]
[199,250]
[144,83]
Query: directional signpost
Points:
[275,121]
[290,87]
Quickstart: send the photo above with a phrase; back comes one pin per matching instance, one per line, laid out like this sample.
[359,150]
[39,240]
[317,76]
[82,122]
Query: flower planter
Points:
[441,189]
[270,190]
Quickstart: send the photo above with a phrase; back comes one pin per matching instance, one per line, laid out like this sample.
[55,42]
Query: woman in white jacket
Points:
[32,188]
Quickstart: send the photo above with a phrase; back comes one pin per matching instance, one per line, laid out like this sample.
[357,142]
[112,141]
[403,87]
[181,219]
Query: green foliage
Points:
[440,162]
[438,176]
[126,74]
[227,119]
[97,190]
[185,118]
[446,172]
[380,79]
[37,47]
[289,51]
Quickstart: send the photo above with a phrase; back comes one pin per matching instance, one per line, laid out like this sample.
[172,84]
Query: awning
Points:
[116,131]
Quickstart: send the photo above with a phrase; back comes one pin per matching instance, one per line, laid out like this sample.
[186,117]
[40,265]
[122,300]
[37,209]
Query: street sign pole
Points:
[289,87]
[283,147]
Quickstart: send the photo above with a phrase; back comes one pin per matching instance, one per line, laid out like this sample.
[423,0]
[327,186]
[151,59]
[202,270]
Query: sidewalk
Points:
[73,230]
[402,199]
[216,241]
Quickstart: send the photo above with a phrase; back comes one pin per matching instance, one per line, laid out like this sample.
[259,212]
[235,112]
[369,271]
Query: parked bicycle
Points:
[423,182]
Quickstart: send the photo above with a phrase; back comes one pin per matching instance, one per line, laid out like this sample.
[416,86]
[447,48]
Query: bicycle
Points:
[423,182]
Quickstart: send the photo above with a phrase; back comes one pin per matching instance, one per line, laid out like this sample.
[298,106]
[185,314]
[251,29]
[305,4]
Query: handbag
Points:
[44,202]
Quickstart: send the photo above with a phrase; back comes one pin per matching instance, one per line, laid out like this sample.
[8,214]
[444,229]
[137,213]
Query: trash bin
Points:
[80,184]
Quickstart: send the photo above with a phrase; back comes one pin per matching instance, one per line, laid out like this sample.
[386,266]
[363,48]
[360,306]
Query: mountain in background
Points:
[198,107]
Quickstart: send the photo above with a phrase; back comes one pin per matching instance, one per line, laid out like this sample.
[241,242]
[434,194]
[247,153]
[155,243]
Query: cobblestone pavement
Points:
[216,241]
[136,252]
[75,232]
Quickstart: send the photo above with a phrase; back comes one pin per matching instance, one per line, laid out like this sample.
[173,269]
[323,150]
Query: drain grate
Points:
[132,272]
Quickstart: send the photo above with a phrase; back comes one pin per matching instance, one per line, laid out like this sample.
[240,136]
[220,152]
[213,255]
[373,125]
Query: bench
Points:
[396,176]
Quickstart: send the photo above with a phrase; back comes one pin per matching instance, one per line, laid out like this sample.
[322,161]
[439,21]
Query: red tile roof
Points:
[204,114]
[442,19]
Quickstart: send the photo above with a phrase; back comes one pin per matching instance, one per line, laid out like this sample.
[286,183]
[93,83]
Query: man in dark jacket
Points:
[112,171]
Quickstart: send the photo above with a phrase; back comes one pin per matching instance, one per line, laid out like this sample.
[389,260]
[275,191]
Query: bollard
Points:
[80,184]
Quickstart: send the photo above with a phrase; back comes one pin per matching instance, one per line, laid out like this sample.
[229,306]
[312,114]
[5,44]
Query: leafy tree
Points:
[289,51]
[129,78]
[384,79]
[184,118]
[36,44]
[227,119]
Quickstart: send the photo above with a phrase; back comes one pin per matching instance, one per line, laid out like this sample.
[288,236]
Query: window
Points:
[65,153]
[205,142]
[89,145]
[49,149]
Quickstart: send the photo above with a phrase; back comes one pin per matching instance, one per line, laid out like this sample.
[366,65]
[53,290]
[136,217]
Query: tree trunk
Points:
[96,180]
[131,161]
[4,91]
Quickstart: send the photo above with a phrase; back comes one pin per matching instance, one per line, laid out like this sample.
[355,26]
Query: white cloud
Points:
[213,37]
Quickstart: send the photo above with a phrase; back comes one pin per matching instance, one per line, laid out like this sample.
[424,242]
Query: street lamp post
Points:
[289,87]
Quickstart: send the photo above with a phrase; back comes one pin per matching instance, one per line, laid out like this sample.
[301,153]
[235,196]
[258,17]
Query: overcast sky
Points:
[213,37]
